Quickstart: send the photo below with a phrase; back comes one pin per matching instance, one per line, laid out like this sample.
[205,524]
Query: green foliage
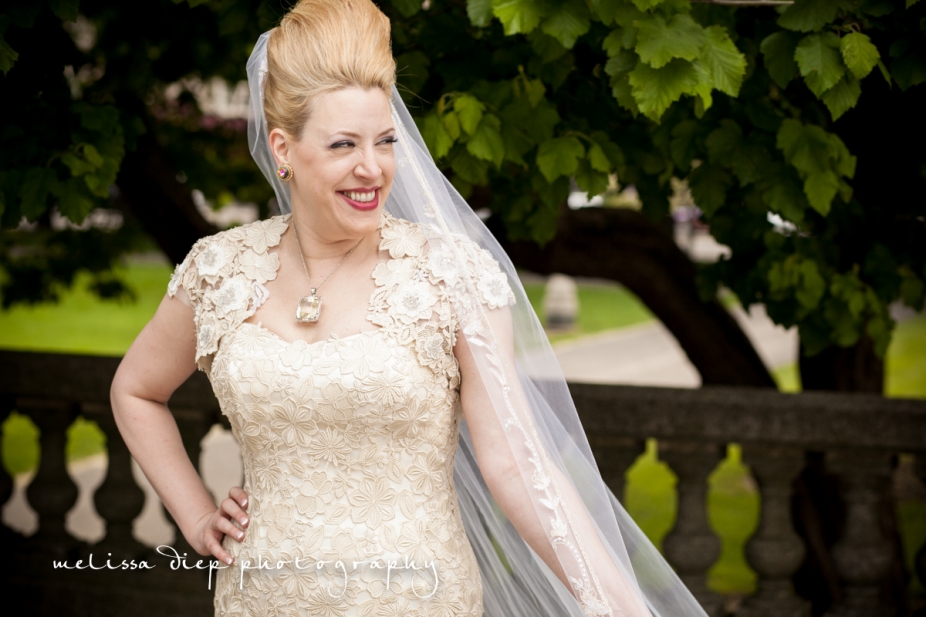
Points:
[819,61]
[515,98]
[83,81]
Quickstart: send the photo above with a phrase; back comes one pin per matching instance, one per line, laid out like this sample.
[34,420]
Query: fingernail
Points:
[244,502]
[229,561]
[244,521]
[240,535]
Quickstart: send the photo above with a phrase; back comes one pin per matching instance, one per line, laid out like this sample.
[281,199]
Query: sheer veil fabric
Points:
[610,564]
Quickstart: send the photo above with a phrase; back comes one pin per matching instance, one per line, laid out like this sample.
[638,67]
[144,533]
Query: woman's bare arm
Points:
[157,363]
[504,478]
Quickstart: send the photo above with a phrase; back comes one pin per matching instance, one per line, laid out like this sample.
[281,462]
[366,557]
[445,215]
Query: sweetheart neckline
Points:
[331,338]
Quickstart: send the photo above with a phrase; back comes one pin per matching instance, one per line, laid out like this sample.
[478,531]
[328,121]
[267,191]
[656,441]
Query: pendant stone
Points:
[308,309]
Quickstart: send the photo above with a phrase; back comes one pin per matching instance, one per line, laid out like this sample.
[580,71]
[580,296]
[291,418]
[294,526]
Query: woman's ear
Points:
[279,146]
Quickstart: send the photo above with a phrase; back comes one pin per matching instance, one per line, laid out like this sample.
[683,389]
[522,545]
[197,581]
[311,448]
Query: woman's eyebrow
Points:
[358,135]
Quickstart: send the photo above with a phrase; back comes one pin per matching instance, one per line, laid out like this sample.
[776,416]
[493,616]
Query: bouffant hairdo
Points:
[321,46]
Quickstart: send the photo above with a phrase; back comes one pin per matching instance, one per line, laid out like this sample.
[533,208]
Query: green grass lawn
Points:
[601,308]
[81,324]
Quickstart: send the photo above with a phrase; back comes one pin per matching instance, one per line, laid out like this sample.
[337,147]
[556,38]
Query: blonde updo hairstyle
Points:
[321,46]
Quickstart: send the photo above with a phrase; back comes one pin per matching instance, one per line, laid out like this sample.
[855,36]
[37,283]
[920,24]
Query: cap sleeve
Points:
[473,279]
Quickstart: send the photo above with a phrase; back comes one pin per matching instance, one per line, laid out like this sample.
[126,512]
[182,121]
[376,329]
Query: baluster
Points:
[7,535]
[614,458]
[52,492]
[863,555]
[775,552]
[919,564]
[692,547]
[118,499]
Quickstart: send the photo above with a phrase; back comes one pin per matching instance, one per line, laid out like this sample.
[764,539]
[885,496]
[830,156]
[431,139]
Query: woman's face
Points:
[343,165]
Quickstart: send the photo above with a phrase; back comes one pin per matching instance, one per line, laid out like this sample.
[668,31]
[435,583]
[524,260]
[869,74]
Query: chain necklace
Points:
[309,307]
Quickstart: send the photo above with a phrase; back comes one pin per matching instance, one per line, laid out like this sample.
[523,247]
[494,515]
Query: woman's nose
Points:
[368,167]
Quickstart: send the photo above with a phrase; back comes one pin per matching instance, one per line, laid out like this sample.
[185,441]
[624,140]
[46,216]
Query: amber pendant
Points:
[308,309]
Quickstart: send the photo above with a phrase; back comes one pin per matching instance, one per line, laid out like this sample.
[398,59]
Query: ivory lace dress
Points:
[348,443]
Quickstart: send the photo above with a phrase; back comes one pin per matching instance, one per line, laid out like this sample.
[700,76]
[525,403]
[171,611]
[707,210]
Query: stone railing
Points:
[856,437]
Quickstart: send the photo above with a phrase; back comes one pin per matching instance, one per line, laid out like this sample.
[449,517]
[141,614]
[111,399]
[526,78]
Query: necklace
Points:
[309,307]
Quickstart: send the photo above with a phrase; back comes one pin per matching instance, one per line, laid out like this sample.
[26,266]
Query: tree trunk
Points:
[162,204]
[627,246]
[854,369]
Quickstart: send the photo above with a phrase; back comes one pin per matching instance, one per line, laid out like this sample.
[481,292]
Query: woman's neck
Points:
[319,247]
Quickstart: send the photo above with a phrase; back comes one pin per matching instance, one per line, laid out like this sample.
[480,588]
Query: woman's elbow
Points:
[498,471]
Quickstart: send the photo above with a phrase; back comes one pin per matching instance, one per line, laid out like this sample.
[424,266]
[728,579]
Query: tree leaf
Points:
[8,56]
[859,54]
[594,182]
[612,43]
[912,291]
[468,167]
[407,7]
[567,22]
[812,287]
[559,157]
[623,94]
[709,184]
[723,143]
[611,150]
[517,16]
[597,159]
[805,147]
[435,135]
[843,96]
[479,12]
[809,15]
[34,192]
[469,110]
[659,42]
[819,61]
[486,142]
[655,89]
[75,204]
[778,55]
[65,10]
[645,5]
[412,69]
[820,188]
[621,64]
[92,155]
[725,62]
[782,193]
[606,10]
[909,70]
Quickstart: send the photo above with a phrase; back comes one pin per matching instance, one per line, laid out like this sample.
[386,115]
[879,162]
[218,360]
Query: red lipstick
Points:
[361,205]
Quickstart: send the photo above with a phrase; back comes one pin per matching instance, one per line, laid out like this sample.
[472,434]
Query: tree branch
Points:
[627,246]
[746,2]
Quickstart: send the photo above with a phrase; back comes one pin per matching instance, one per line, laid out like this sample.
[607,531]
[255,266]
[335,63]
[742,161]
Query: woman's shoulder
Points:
[227,252]
[450,259]
[404,238]
[257,236]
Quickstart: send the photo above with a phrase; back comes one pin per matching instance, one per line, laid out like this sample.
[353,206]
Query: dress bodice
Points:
[348,443]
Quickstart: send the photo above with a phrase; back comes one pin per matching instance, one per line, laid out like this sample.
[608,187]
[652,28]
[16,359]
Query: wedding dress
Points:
[348,443]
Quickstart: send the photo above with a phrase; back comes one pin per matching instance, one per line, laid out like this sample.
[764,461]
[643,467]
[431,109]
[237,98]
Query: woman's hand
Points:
[211,528]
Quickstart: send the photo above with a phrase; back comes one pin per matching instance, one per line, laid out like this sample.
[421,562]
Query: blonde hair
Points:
[321,46]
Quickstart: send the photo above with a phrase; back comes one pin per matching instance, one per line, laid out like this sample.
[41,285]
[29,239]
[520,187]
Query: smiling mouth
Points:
[360,196]
[361,200]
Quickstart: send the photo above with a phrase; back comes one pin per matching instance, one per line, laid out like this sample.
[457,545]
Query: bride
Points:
[409,443]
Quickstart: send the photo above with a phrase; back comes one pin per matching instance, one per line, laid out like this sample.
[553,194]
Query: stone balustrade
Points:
[857,438]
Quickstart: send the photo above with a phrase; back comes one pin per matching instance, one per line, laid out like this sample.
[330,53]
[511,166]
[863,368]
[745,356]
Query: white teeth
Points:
[361,197]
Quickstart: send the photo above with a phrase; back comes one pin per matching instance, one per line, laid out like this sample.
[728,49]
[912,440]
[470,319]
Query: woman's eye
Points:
[389,140]
[342,144]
